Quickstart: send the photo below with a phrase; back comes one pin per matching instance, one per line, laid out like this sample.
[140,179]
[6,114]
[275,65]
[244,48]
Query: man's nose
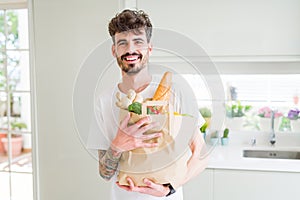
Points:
[131,48]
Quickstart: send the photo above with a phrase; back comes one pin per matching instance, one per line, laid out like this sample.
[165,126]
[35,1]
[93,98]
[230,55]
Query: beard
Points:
[134,68]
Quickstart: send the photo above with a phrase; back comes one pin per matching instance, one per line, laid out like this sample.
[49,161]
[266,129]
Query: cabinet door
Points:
[249,185]
[200,188]
[231,27]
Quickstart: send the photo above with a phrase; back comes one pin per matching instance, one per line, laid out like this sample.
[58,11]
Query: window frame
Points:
[28,4]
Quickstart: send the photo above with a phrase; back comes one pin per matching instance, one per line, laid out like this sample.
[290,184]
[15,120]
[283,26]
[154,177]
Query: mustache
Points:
[131,54]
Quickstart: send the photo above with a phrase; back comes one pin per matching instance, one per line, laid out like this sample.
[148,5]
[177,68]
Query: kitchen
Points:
[254,47]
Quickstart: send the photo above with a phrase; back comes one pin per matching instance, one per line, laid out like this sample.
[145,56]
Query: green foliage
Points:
[204,127]
[252,122]
[205,112]
[285,124]
[18,125]
[236,109]
[2,79]
[10,28]
[9,32]
[135,107]
[225,133]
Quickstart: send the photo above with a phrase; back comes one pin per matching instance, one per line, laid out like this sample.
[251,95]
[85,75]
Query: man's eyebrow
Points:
[138,39]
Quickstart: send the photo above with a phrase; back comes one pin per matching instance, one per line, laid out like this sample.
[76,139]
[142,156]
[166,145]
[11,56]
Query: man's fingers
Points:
[147,127]
[151,136]
[125,121]
[149,145]
[131,183]
[125,187]
[142,121]
[150,184]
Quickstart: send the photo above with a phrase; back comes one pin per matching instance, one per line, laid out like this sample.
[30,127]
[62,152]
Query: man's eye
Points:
[139,42]
[121,43]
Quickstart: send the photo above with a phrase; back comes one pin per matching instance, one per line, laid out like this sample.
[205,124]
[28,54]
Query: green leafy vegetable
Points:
[135,107]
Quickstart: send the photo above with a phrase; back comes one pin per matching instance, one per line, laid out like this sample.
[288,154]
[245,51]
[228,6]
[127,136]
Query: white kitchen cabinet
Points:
[226,184]
[249,185]
[201,187]
[232,27]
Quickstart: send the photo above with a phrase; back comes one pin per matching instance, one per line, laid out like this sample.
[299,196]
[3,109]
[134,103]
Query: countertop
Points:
[231,157]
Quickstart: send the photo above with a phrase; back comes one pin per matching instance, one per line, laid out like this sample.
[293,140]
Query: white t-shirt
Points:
[105,125]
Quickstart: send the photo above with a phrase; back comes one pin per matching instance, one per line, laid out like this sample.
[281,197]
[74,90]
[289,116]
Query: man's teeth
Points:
[130,59]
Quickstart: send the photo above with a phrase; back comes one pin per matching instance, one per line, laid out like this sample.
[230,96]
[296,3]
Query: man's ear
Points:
[113,50]
[150,47]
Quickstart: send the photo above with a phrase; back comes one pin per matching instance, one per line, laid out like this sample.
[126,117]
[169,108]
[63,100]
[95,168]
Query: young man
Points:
[131,33]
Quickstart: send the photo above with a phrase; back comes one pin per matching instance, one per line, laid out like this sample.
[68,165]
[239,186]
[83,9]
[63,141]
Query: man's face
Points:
[132,51]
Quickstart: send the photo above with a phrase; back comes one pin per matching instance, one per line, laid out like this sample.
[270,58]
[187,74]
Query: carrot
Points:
[162,92]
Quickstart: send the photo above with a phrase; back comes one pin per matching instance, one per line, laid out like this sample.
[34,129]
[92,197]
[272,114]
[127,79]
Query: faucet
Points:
[272,137]
[253,141]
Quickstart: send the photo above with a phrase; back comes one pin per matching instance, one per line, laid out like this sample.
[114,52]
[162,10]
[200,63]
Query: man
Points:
[131,33]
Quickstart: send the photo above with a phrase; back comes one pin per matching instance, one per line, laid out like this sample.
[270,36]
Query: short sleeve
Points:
[185,101]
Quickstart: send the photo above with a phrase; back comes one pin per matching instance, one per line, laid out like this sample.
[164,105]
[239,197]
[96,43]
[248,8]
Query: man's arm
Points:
[127,138]
[108,163]
[195,164]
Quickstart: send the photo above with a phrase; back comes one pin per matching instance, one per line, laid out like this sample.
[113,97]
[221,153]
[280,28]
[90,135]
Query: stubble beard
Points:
[133,69]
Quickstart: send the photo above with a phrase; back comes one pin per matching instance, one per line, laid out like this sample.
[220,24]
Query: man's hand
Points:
[153,189]
[196,164]
[132,137]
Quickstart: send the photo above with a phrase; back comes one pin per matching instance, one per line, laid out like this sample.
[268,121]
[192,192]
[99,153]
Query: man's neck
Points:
[137,82]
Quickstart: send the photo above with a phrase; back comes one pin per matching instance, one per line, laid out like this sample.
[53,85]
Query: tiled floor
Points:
[21,163]
[21,186]
[16,182]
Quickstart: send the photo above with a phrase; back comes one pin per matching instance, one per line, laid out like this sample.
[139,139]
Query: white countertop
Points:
[231,157]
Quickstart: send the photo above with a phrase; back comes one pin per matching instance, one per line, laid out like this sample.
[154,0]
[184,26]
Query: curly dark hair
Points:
[130,20]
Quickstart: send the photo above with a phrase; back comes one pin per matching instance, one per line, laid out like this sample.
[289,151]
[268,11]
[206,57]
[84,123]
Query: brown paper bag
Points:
[158,164]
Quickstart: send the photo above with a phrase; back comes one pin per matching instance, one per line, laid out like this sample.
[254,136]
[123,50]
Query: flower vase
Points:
[2,150]
[214,141]
[295,125]
[16,145]
[224,141]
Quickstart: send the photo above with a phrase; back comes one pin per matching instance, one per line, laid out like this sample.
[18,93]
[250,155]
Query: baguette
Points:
[163,90]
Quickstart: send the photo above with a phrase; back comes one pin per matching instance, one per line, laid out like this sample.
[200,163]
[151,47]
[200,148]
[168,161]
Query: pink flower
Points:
[266,112]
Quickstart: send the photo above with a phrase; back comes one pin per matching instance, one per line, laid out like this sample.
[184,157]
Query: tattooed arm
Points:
[108,163]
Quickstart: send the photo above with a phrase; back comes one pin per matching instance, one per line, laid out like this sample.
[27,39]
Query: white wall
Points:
[65,32]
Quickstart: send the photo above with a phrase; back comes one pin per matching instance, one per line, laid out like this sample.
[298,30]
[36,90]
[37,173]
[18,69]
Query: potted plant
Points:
[294,115]
[2,122]
[265,118]
[206,114]
[235,113]
[214,137]
[16,139]
[2,135]
[224,139]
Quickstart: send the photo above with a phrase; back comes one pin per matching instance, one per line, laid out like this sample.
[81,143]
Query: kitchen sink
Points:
[274,154]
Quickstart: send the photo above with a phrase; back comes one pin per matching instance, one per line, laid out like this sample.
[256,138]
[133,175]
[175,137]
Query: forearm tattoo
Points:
[108,163]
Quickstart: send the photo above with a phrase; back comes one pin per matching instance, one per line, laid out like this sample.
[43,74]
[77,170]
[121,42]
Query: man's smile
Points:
[131,58]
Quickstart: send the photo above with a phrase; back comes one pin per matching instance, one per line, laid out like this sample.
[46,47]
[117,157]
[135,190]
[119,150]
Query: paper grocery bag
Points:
[166,163]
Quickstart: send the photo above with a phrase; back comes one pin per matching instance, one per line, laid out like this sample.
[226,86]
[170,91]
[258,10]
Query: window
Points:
[15,112]
[259,93]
